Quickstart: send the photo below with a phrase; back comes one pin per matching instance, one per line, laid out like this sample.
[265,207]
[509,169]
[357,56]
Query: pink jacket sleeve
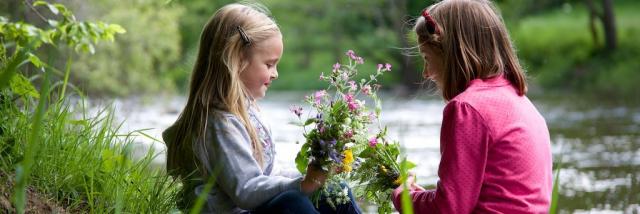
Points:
[464,141]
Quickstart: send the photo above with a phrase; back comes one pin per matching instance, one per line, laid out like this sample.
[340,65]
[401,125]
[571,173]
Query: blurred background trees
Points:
[585,46]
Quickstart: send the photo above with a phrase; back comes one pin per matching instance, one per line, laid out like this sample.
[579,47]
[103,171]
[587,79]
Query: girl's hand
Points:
[411,182]
[313,180]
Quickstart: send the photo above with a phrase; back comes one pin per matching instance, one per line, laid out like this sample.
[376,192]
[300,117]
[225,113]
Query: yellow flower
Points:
[398,181]
[384,169]
[348,159]
[347,168]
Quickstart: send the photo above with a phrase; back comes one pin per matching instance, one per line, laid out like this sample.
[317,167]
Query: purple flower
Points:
[373,141]
[322,76]
[380,67]
[333,154]
[336,67]
[296,110]
[359,60]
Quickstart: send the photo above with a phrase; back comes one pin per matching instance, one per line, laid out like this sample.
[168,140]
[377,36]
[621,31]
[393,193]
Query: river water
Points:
[597,143]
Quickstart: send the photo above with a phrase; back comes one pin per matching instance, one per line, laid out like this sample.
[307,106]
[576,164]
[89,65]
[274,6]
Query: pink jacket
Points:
[496,155]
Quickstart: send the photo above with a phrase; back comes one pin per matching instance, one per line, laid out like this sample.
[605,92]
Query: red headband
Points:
[432,27]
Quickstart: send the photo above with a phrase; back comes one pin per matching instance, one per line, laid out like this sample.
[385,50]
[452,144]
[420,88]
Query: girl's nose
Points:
[274,75]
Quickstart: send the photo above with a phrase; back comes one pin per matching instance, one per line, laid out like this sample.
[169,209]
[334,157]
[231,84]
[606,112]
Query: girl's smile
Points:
[262,69]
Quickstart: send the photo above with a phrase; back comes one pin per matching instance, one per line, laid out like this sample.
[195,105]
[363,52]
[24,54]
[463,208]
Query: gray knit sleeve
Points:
[227,145]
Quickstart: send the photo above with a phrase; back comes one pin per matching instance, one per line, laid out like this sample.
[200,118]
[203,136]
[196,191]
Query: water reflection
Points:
[599,144]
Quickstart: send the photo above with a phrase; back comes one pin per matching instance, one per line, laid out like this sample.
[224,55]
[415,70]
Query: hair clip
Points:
[432,27]
[243,35]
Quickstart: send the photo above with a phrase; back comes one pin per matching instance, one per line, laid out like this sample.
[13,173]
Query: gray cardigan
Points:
[241,184]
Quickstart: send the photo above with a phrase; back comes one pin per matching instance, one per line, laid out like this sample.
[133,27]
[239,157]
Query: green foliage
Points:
[558,51]
[25,39]
[81,162]
[139,62]
[405,198]
[315,34]
[22,87]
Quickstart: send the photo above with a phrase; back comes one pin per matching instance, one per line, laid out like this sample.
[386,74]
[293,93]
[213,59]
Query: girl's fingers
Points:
[417,187]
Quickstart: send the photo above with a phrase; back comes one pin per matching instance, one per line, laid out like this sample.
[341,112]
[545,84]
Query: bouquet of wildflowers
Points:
[346,138]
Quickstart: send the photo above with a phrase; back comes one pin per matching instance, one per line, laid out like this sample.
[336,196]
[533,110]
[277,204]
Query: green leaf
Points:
[302,160]
[310,121]
[53,8]
[556,189]
[21,86]
[35,60]
[116,28]
[40,3]
[368,152]
[62,9]
[407,205]
[408,164]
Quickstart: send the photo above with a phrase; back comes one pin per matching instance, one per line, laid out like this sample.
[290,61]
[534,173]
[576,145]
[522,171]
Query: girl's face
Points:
[262,67]
[433,63]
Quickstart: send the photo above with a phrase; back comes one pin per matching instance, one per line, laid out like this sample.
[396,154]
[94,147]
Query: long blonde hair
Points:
[225,47]
[474,44]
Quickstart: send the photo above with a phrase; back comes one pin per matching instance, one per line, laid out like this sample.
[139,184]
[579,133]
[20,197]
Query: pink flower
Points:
[348,134]
[344,76]
[297,110]
[351,54]
[373,141]
[353,106]
[319,95]
[322,76]
[380,67]
[351,103]
[352,85]
[336,67]
[387,67]
[372,116]
[366,89]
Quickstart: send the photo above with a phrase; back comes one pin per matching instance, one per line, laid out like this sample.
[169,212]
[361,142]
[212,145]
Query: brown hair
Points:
[225,46]
[474,44]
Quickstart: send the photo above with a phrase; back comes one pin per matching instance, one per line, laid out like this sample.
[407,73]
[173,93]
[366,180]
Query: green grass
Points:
[80,161]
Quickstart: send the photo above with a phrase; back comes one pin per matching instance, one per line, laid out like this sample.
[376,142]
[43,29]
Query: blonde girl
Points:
[219,136]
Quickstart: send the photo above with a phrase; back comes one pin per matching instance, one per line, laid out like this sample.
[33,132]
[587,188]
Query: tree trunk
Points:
[593,18]
[608,21]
